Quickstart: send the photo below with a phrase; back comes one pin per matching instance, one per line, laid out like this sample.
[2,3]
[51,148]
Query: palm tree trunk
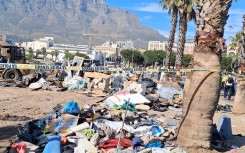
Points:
[239,104]
[203,94]
[171,36]
[182,39]
[171,40]
[181,42]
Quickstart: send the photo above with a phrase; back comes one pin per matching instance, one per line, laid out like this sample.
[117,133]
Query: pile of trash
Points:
[121,123]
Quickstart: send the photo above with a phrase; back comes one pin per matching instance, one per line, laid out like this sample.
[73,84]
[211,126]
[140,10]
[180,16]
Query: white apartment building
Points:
[115,48]
[157,45]
[45,42]
[128,44]
[108,47]
[189,47]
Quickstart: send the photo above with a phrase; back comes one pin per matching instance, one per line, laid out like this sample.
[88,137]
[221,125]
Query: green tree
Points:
[69,56]
[134,56]
[226,63]
[82,55]
[152,56]
[187,60]
[127,55]
[171,6]
[137,57]
[172,59]
[30,56]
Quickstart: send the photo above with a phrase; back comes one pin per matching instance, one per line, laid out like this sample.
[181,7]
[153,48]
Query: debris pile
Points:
[121,123]
[129,118]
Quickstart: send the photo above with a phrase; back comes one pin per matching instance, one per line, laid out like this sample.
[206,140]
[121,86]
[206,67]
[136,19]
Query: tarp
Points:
[134,98]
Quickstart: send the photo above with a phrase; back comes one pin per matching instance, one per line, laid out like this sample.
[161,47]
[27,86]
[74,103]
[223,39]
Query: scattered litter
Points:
[118,122]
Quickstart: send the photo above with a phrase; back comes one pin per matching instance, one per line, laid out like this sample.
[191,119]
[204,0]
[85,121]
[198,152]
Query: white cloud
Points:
[149,7]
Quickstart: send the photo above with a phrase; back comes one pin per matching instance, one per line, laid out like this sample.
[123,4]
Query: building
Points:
[115,48]
[189,47]
[157,45]
[68,47]
[45,42]
[108,47]
[225,51]
[122,45]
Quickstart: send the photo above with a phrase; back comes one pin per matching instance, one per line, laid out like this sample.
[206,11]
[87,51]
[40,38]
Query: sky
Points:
[150,14]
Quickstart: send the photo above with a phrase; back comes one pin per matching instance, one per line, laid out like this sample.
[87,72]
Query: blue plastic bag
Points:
[157,130]
[72,108]
[154,145]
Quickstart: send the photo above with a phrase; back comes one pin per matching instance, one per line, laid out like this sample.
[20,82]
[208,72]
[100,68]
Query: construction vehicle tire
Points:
[11,74]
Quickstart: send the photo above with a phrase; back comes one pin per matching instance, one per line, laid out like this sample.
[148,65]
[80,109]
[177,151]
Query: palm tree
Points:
[171,6]
[236,41]
[52,54]
[187,13]
[38,52]
[203,95]
[56,53]
[30,50]
[239,104]
[44,51]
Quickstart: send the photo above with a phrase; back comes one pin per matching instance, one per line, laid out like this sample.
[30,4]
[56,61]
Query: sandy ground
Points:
[21,105]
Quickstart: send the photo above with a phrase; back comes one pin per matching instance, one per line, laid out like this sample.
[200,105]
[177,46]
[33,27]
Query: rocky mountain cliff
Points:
[68,20]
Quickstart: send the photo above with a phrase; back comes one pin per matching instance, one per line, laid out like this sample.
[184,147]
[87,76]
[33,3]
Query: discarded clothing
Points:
[140,131]
[112,143]
[137,142]
[154,145]
[143,123]
[19,147]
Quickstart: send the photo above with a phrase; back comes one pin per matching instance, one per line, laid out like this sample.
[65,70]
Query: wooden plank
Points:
[95,75]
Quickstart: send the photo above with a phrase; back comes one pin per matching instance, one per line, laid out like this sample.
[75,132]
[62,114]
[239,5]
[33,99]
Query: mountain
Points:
[69,20]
